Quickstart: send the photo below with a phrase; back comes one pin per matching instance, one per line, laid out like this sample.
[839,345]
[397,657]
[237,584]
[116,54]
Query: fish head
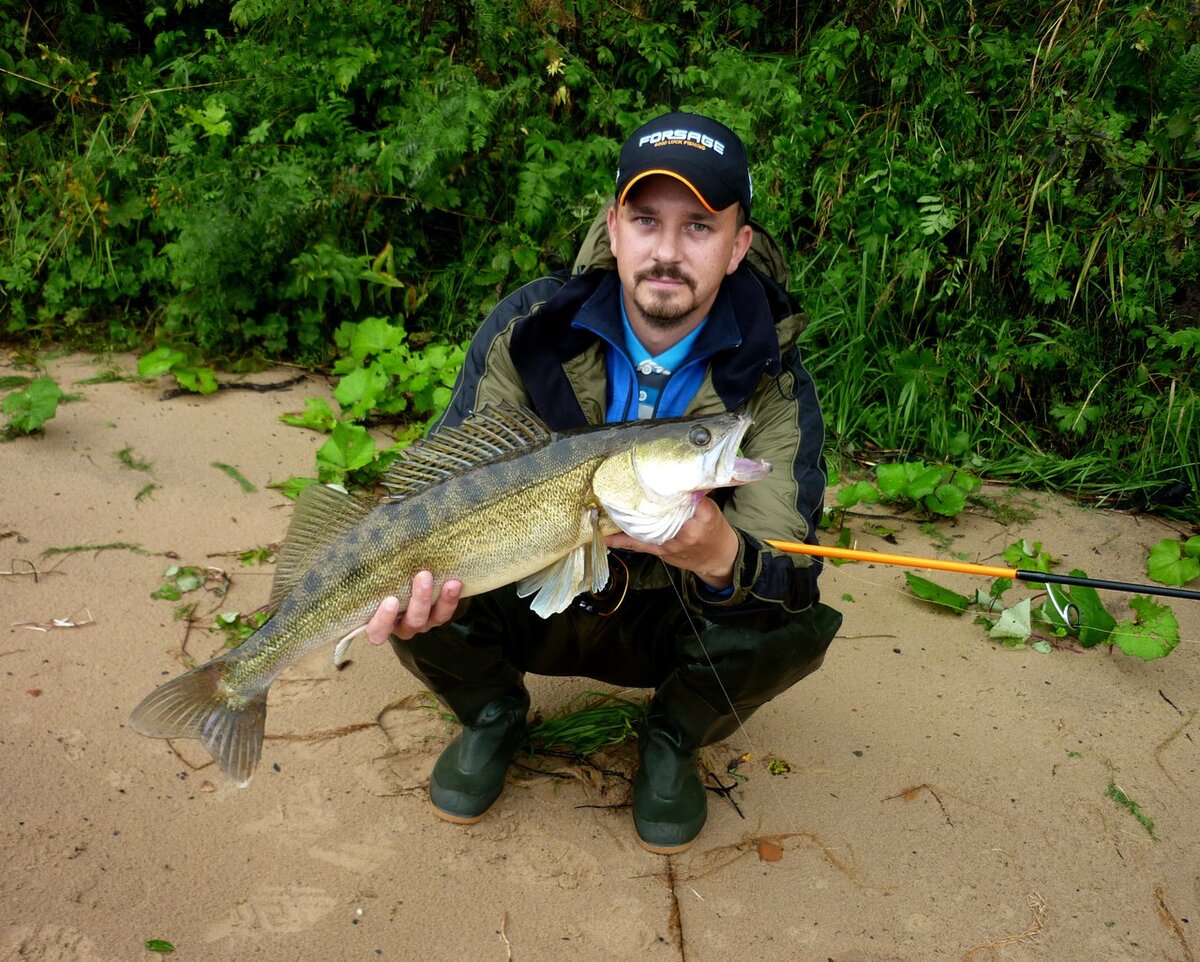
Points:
[651,485]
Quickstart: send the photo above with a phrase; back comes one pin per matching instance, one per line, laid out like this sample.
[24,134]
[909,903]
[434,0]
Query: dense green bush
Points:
[990,208]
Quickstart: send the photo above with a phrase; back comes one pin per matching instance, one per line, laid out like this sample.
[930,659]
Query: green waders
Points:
[703,687]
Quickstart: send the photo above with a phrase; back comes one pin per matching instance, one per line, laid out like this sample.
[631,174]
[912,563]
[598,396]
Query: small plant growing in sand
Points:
[30,408]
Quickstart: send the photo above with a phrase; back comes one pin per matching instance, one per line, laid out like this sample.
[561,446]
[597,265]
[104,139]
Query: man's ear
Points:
[611,221]
[741,244]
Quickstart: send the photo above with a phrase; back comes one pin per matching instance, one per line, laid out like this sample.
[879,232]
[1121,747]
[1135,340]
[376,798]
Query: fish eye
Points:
[700,437]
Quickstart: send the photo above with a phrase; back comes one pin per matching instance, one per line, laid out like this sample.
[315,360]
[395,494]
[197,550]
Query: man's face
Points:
[672,253]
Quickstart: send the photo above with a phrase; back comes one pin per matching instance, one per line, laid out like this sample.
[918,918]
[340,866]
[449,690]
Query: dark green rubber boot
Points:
[469,775]
[670,805]
[728,673]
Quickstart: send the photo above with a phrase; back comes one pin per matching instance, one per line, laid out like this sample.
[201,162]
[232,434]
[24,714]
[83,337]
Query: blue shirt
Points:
[603,315]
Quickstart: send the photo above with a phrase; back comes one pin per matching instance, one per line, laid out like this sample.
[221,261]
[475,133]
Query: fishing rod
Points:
[988,571]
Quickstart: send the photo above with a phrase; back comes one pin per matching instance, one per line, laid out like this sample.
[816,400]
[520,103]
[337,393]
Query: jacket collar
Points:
[740,340]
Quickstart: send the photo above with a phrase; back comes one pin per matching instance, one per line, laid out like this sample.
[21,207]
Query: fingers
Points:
[381,623]
[425,610]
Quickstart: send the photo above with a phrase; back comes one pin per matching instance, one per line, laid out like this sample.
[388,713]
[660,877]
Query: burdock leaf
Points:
[1174,562]
[1014,624]
[935,594]
[1155,633]
[947,499]
[349,447]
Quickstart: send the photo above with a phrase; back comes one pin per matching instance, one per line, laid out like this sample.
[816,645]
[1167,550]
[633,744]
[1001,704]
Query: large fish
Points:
[500,499]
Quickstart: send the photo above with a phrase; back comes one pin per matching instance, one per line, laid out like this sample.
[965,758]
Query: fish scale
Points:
[496,501]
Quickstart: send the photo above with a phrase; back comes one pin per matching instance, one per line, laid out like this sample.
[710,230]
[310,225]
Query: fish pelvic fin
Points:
[585,568]
[555,587]
[194,705]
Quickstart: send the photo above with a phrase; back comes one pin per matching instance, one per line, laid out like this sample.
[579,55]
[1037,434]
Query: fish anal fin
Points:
[343,646]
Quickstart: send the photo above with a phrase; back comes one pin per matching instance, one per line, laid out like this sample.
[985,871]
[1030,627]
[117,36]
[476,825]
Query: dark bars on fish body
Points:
[990,571]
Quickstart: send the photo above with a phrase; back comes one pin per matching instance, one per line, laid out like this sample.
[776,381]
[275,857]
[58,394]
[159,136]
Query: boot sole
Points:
[457,819]
[665,849]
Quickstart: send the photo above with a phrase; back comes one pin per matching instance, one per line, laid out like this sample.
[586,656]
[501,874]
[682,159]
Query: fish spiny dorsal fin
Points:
[490,435]
[322,514]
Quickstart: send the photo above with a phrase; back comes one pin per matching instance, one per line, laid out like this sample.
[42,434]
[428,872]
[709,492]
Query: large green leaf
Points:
[935,594]
[1174,562]
[1154,634]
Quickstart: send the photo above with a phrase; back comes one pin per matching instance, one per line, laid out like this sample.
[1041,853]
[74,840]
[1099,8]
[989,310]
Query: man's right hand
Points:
[424,610]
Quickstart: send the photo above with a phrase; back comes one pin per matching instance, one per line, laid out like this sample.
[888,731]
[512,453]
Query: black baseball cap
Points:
[697,151]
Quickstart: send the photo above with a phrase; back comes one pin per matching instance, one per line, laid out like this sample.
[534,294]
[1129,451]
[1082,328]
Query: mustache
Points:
[665,271]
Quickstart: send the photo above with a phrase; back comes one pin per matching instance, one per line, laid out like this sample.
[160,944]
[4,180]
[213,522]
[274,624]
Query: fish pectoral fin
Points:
[556,586]
[654,522]
[195,706]
[598,574]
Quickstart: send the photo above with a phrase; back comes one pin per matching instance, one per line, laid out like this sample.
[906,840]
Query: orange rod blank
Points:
[990,571]
[879,557]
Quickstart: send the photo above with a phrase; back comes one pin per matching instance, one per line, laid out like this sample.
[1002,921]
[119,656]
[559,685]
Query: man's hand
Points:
[706,545]
[423,612]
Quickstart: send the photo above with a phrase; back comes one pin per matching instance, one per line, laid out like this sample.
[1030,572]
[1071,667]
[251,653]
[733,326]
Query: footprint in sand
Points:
[416,732]
[309,821]
[274,910]
[46,943]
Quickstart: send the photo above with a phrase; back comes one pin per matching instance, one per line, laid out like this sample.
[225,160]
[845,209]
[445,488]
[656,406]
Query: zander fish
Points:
[498,500]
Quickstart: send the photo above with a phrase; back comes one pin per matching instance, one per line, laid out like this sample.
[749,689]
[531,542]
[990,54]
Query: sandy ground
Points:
[946,796]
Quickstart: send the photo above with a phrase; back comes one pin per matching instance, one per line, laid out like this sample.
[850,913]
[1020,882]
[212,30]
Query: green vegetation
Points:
[1065,613]
[30,408]
[990,211]
[1134,809]
[604,721]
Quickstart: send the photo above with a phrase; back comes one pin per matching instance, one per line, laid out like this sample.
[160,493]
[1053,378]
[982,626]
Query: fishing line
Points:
[754,752]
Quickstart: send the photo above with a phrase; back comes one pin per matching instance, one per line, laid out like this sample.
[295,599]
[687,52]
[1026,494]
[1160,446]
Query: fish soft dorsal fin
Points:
[322,514]
[492,434]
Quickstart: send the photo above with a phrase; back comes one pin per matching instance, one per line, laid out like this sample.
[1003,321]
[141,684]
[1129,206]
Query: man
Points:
[674,320]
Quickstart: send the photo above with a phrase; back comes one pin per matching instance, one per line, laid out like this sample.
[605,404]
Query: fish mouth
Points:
[737,469]
[746,470]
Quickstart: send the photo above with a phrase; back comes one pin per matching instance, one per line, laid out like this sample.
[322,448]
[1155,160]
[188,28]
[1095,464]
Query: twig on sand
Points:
[675,921]
[1037,905]
[1166,742]
[239,386]
[322,734]
[56,623]
[504,936]
[32,572]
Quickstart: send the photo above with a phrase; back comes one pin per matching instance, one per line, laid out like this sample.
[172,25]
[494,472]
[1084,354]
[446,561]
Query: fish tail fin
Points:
[195,705]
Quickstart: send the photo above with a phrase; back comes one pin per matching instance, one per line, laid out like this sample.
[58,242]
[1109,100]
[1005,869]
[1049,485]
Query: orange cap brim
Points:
[666,173]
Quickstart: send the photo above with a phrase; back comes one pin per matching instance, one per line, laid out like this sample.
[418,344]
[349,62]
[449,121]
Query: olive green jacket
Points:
[529,351]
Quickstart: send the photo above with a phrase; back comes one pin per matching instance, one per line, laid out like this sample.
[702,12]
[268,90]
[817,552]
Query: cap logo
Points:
[682,136]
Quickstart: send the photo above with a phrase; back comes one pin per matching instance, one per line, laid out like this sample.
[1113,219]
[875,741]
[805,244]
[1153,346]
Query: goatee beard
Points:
[659,312]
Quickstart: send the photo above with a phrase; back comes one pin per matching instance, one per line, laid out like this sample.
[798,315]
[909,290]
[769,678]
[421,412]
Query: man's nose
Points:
[666,248]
